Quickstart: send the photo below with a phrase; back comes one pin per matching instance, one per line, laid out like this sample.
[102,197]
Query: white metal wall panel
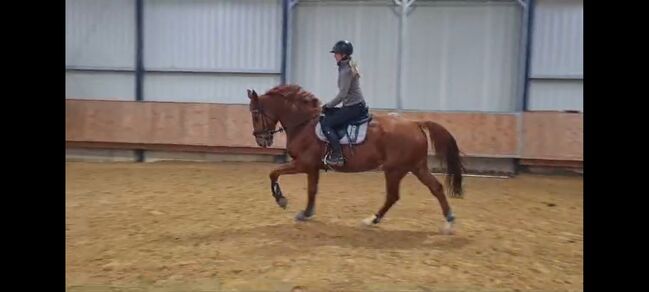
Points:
[462,56]
[558,38]
[226,35]
[100,85]
[201,87]
[100,34]
[371,26]
[557,52]
[553,95]
[556,95]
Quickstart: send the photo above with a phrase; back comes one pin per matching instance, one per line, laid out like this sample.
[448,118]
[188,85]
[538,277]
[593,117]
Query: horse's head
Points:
[263,122]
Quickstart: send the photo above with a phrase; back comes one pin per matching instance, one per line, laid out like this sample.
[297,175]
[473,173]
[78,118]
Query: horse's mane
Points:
[294,94]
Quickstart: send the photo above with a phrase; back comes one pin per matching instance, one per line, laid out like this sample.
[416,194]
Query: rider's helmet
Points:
[343,47]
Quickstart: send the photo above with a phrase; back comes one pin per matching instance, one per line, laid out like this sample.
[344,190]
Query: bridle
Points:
[265,133]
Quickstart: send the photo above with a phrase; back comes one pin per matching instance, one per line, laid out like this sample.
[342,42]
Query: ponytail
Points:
[355,71]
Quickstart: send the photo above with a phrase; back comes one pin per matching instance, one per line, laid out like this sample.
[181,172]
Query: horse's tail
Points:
[448,153]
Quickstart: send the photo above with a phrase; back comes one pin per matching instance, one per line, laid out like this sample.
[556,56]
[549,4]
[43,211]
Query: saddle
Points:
[354,132]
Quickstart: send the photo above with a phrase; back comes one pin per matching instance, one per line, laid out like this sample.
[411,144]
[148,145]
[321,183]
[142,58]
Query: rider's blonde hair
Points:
[355,71]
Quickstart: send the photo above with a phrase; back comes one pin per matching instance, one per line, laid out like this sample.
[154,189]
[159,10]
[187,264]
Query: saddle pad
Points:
[353,134]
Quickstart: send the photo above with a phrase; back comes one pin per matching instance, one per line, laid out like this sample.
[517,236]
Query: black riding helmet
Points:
[343,47]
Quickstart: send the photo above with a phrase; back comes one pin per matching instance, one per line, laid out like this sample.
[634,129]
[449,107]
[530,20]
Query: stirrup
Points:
[335,163]
[338,163]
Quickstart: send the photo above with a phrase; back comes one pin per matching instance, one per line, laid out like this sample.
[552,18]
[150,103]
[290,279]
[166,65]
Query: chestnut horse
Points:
[394,144]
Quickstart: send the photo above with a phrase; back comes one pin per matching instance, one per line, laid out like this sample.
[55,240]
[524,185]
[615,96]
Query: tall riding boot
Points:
[336,157]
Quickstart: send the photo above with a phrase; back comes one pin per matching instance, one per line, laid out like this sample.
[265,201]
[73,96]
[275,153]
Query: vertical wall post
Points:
[139,62]
[285,14]
[403,30]
[525,52]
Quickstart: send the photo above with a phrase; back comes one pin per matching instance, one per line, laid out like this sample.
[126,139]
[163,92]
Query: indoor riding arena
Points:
[167,188]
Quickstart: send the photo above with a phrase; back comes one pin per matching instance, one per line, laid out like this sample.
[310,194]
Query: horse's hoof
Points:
[370,221]
[447,229]
[302,217]
[282,202]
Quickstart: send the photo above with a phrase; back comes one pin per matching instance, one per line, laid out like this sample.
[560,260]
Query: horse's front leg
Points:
[289,168]
[313,177]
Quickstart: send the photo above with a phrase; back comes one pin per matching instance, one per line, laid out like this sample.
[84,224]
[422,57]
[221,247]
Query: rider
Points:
[349,94]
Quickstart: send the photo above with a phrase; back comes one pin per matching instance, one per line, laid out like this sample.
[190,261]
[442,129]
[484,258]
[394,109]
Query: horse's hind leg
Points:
[392,180]
[436,188]
[313,177]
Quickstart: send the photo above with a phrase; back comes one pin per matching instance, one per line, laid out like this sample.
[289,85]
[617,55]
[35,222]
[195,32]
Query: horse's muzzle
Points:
[264,140]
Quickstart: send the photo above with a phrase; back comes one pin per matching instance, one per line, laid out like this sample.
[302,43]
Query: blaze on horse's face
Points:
[262,123]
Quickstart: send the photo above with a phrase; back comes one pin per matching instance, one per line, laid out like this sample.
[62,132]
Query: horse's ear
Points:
[252,94]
